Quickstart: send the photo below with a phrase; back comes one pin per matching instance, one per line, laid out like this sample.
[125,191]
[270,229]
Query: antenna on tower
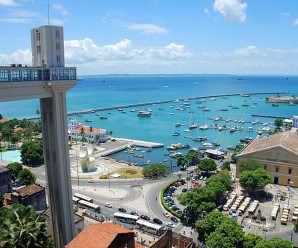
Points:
[48,12]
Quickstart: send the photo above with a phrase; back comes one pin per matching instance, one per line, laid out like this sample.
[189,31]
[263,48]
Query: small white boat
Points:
[204,127]
[187,131]
[144,114]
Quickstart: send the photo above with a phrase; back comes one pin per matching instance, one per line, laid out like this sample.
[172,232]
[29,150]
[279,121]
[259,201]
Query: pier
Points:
[271,116]
[89,111]
[282,99]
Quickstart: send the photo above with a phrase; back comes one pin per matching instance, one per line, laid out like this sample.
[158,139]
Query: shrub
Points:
[103,177]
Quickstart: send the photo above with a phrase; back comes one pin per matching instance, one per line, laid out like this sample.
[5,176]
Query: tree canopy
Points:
[251,240]
[226,166]
[26,177]
[32,153]
[15,169]
[248,165]
[278,123]
[155,170]
[21,227]
[207,165]
[275,242]
[255,180]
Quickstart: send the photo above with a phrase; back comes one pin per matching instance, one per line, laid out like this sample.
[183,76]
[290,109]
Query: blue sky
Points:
[160,36]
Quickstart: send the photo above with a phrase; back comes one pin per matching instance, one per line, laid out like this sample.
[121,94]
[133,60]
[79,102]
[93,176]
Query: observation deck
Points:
[21,82]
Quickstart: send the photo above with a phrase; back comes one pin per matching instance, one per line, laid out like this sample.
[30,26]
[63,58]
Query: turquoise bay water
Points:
[106,91]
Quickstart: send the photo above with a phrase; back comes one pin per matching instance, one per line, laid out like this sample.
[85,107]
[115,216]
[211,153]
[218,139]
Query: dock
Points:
[282,99]
[271,116]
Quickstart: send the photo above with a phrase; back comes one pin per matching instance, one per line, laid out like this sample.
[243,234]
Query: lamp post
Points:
[289,189]
[77,168]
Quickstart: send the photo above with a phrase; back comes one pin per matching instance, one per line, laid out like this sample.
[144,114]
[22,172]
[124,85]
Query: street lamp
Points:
[77,168]
[290,182]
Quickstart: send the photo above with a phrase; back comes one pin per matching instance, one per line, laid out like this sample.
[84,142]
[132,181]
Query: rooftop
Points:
[2,169]
[97,236]
[30,189]
[87,130]
[287,140]
[3,120]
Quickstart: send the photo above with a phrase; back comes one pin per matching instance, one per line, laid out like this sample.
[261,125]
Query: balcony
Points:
[18,82]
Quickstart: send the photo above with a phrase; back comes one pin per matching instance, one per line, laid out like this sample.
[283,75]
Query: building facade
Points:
[33,194]
[77,131]
[5,180]
[295,121]
[278,154]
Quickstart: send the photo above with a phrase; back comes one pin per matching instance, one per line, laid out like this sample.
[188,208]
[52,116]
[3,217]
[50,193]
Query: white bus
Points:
[75,200]
[89,205]
[83,197]
[126,218]
[149,227]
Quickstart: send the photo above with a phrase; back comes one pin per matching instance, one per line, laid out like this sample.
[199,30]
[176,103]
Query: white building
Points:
[295,121]
[76,131]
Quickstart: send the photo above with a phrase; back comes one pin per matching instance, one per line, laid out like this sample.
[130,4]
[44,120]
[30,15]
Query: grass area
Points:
[128,173]
[3,149]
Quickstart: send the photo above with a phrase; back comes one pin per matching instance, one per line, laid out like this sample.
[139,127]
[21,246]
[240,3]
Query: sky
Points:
[159,36]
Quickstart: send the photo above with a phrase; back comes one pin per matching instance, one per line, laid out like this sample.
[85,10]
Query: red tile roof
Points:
[30,189]
[87,130]
[97,236]
[3,120]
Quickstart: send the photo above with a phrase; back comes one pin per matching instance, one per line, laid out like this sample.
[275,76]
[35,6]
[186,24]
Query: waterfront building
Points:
[278,154]
[48,80]
[76,131]
[5,180]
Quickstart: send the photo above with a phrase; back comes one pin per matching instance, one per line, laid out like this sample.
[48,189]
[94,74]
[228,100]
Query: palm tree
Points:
[22,228]
[82,133]
[96,139]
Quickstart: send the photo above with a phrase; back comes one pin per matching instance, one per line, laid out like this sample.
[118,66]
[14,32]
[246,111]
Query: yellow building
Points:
[279,155]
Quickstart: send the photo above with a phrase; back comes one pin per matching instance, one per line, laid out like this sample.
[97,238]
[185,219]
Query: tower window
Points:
[38,50]
[37,36]
[290,170]
[276,169]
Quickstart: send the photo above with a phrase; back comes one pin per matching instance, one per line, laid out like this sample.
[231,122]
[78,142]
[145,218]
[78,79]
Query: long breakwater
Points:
[88,111]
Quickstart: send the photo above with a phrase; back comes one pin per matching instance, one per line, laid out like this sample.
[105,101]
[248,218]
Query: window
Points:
[290,170]
[15,75]
[276,169]
[54,74]
[290,181]
[38,50]
[37,75]
[265,167]
[4,75]
[37,37]
[27,75]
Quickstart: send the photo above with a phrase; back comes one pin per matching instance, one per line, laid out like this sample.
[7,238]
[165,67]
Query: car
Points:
[145,217]
[109,205]
[166,214]
[134,213]
[184,190]
[204,179]
[157,221]
[174,219]
[123,210]
[113,140]
[91,181]
[179,212]
[173,206]
[170,224]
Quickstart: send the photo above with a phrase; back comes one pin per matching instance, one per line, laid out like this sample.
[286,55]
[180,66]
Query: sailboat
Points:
[192,125]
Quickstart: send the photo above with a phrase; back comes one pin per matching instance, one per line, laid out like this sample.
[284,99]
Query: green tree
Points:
[15,169]
[32,153]
[181,161]
[208,225]
[207,165]
[274,243]
[227,235]
[1,116]
[23,228]
[249,165]
[234,157]
[255,180]
[226,166]
[278,123]
[155,170]
[296,226]
[192,158]
[26,177]
[251,240]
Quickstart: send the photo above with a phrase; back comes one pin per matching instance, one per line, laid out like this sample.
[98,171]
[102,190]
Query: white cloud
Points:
[14,20]
[207,12]
[284,14]
[60,8]
[232,10]
[295,22]
[11,3]
[24,13]
[18,57]
[248,51]
[149,29]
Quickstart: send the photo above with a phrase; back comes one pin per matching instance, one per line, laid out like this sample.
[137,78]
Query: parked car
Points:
[157,221]
[109,205]
[174,219]
[91,181]
[134,213]
[123,210]
[166,214]
[145,217]
[184,190]
[170,224]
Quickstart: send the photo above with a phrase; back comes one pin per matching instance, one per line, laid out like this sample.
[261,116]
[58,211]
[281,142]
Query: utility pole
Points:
[78,169]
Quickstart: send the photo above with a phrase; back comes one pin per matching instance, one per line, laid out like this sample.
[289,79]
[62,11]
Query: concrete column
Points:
[56,154]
